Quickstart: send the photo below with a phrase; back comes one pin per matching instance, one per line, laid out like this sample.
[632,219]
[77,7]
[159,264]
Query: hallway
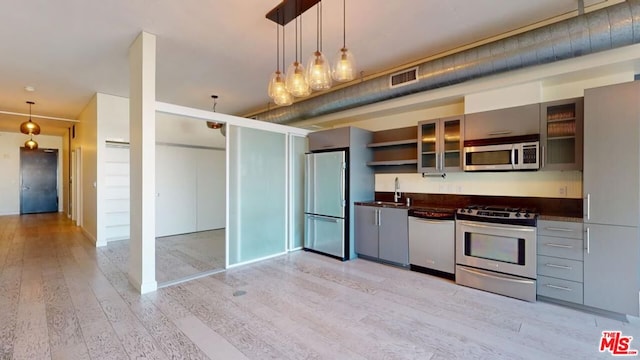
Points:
[61,298]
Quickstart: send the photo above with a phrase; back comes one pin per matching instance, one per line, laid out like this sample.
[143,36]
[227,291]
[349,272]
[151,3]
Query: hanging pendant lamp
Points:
[277,90]
[296,80]
[29,127]
[31,144]
[345,66]
[318,69]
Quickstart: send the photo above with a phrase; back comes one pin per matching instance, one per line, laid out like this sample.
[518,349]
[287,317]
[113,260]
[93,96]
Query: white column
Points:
[142,126]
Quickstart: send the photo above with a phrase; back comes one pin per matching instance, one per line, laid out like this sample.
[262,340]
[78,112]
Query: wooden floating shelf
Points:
[393,143]
[393,162]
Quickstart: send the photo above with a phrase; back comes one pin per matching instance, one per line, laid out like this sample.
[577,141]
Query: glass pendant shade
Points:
[345,66]
[31,144]
[296,81]
[276,84]
[277,90]
[29,127]
[318,72]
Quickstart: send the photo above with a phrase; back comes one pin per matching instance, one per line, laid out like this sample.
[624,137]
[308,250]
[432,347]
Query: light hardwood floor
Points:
[61,298]
[179,256]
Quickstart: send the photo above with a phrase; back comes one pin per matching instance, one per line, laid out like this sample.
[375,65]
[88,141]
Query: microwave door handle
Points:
[513,157]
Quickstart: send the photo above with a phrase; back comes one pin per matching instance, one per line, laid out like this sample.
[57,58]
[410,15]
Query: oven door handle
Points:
[482,226]
[501,278]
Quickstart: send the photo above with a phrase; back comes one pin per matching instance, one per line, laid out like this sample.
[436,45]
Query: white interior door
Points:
[175,190]
[211,189]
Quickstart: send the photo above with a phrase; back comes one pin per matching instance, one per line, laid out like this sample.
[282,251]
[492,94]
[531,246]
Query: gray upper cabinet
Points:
[612,155]
[330,139]
[440,145]
[514,121]
[561,134]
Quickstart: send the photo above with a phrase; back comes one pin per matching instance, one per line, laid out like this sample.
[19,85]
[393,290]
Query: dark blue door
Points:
[39,179]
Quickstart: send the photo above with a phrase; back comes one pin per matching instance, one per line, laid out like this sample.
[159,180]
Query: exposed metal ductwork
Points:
[604,29]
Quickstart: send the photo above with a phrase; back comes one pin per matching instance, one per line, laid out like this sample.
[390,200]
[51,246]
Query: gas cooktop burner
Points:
[498,214]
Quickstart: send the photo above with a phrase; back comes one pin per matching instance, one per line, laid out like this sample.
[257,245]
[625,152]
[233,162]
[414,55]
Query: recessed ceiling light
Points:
[29,88]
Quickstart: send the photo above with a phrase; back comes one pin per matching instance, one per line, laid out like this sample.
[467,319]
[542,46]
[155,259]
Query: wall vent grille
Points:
[404,77]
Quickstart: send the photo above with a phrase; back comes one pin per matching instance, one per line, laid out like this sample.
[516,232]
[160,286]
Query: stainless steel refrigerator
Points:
[337,176]
[326,203]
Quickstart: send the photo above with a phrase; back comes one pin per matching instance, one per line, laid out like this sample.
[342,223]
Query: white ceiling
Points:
[70,49]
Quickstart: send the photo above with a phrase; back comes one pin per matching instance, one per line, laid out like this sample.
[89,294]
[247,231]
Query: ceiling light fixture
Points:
[319,73]
[318,69]
[277,90]
[345,66]
[296,79]
[31,144]
[29,127]
[214,124]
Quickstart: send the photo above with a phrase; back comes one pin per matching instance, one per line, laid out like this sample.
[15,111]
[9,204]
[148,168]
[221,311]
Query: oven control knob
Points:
[517,214]
[527,215]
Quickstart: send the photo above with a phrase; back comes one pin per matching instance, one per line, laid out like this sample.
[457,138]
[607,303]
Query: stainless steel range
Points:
[496,250]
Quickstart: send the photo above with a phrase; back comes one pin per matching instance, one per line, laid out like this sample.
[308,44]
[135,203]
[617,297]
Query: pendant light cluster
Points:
[319,74]
[30,128]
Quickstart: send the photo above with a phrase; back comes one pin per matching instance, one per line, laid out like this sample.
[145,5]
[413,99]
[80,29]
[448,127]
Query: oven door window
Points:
[498,157]
[492,247]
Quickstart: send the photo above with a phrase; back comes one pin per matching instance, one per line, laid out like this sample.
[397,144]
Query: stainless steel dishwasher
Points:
[432,241]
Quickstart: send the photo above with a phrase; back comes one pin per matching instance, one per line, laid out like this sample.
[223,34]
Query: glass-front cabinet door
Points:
[427,146]
[452,143]
[561,134]
[440,145]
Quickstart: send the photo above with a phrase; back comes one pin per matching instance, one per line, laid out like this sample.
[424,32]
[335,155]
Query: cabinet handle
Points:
[442,161]
[559,246]
[375,217]
[558,229]
[588,206]
[558,287]
[588,240]
[379,217]
[501,132]
[542,154]
[558,266]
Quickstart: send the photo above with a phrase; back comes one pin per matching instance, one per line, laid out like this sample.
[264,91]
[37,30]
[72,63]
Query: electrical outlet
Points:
[562,191]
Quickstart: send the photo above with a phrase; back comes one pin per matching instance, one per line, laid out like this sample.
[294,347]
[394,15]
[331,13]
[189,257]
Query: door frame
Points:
[76,173]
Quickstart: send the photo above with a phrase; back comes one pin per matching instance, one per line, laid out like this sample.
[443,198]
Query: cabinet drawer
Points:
[560,268]
[561,247]
[560,289]
[564,229]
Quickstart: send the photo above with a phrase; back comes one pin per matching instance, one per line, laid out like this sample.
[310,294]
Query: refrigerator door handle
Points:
[343,201]
[323,218]
[308,169]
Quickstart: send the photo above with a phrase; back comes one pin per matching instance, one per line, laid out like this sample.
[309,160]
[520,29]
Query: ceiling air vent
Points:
[404,77]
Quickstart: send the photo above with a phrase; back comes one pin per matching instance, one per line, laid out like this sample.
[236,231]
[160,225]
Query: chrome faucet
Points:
[396,191]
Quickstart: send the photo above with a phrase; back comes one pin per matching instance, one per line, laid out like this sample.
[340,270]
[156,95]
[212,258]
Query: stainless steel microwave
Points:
[502,154]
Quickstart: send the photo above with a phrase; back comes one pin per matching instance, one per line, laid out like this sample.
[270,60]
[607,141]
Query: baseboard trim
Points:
[144,288]
[91,238]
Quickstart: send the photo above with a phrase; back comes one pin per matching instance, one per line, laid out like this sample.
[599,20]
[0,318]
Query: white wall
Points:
[87,140]
[10,144]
